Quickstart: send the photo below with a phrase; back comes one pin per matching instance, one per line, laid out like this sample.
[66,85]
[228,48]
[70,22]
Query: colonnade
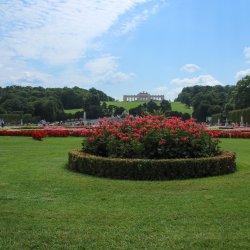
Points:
[133,98]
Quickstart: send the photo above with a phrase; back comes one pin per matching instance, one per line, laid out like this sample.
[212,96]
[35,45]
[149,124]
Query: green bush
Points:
[148,169]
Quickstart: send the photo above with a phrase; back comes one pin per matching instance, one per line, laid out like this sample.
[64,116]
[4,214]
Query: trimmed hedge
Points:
[146,169]
[16,118]
[235,115]
[215,118]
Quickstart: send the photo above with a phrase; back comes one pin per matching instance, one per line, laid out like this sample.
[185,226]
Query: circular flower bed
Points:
[150,137]
[151,169]
[151,147]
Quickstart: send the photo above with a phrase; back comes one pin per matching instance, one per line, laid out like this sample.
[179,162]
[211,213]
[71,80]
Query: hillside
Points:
[176,106]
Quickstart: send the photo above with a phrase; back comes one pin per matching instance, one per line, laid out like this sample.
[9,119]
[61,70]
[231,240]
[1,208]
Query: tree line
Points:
[36,103]
[48,103]
[209,100]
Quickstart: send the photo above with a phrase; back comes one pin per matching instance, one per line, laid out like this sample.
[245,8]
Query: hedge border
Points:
[146,169]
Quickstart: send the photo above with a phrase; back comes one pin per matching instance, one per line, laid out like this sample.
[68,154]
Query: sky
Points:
[123,47]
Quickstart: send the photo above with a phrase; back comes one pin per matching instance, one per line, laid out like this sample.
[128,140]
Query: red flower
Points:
[162,142]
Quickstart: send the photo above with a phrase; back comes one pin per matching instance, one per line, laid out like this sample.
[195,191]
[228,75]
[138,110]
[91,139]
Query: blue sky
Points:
[125,46]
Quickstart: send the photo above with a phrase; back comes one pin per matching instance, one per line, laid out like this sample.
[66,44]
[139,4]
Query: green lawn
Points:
[45,206]
[181,107]
[126,105]
[176,106]
[72,111]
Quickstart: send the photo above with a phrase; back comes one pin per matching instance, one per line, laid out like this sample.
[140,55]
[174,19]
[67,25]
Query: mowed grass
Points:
[45,206]
[181,107]
[72,111]
[126,105]
[176,106]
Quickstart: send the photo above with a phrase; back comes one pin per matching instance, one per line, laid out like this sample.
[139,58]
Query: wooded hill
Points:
[50,103]
[209,100]
[47,103]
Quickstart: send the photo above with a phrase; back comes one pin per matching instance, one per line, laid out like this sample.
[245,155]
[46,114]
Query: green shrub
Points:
[148,169]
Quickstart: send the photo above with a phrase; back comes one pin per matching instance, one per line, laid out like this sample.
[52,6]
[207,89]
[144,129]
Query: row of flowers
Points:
[234,134]
[83,132]
[230,129]
[41,133]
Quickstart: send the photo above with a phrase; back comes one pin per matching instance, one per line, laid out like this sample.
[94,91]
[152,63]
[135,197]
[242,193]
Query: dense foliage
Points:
[207,100]
[49,103]
[241,94]
[150,137]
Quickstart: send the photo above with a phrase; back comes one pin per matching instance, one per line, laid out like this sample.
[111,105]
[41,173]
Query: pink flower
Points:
[162,142]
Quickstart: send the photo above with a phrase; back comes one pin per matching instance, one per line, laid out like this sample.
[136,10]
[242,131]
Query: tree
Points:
[70,99]
[201,111]
[151,106]
[139,110]
[2,110]
[165,106]
[119,111]
[48,108]
[241,95]
[94,111]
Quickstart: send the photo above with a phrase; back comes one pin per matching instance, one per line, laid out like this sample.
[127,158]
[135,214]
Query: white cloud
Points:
[247,52]
[169,93]
[190,67]
[24,78]
[104,70]
[199,80]
[134,21]
[177,84]
[239,75]
[159,90]
[58,37]
[57,31]
[101,65]
[121,76]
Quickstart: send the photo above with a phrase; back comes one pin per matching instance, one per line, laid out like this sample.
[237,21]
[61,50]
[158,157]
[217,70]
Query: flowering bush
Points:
[153,137]
[38,134]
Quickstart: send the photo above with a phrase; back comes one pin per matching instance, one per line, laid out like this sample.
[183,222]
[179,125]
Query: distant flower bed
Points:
[234,134]
[151,137]
[41,133]
[30,127]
